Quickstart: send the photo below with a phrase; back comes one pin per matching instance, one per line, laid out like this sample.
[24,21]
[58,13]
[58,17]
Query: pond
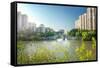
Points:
[33,52]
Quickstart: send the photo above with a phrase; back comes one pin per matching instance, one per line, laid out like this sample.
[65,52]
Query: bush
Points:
[86,35]
[83,53]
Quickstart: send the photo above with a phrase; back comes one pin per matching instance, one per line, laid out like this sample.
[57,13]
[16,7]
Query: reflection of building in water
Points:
[87,21]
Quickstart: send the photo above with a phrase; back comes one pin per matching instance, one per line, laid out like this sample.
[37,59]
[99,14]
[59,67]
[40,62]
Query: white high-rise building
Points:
[89,17]
[83,22]
[91,14]
[41,28]
[80,21]
[32,27]
[77,24]
[19,21]
[94,18]
[87,20]
[24,21]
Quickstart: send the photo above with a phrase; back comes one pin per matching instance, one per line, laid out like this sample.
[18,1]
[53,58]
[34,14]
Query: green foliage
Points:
[78,34]
[83,53]
[86,35]
[20,45]
[73,32]
[93,43]
[42,55]
[34,36]
[50,33]
[22,58]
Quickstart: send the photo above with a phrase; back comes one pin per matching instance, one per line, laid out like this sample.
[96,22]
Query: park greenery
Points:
[38,36]
[84,54]
[85,35]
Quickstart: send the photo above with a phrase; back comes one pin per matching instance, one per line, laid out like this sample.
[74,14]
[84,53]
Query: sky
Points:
[53,16]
